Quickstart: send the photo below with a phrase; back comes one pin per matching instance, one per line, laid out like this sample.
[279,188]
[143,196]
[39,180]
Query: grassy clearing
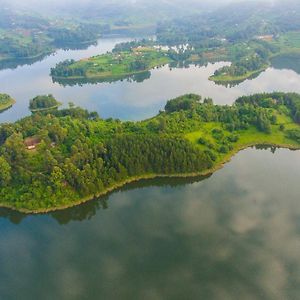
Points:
[246,138]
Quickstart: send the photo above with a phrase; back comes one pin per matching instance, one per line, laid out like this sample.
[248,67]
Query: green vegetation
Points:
[112,65]
[6,102]
[43,103]
[52,160]
[263,32]
[26,37]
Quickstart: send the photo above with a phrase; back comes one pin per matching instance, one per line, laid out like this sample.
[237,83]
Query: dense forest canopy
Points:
[43,102]
[56,159]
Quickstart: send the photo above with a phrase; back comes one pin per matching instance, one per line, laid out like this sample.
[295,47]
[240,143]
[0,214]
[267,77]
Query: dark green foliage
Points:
[202,141]
[62,69]
[274,100]
[186,102]
[233,138]
[294,135]
[217,134]
[78,155]
[211,154]
[43,102]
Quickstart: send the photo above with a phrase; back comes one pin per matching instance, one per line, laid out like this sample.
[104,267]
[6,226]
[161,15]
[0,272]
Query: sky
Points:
[70,5]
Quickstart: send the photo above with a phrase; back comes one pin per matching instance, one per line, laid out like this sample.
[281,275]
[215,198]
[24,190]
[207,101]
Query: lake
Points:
[132,100]
[232,235]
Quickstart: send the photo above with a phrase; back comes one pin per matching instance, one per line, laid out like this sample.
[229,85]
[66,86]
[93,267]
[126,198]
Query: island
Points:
[6,102]
[61,158]
[258,54]
[43,103]
[113,65]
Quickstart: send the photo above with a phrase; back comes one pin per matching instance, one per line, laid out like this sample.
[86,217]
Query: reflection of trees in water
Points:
[291,62]
[233,83]
[13,216]
[89,209]
[14,63]
[139,77]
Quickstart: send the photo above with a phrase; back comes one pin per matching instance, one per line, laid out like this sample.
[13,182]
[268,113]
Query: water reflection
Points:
[88,210]
[288,62]
[235,235]
[231,84]
[139,77]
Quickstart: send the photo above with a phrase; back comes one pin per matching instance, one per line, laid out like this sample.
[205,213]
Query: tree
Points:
[5,173]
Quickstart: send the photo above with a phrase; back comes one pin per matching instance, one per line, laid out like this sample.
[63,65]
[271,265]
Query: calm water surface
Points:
[132,100]
[235,235]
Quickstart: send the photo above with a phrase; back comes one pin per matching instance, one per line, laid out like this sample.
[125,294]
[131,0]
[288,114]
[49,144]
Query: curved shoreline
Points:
[116,186]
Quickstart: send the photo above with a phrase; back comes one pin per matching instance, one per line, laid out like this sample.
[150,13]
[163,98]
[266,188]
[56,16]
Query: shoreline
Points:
[116,186]
[232,79]
[105,77]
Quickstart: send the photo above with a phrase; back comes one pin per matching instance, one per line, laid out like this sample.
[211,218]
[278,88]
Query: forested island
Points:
[57,159]
[114,65]
[6,102]
[43,103]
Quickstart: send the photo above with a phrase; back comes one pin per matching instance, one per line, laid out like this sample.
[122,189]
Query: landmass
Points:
[43,103]
[248,59]
[58,159]
[114,65]
[6,102]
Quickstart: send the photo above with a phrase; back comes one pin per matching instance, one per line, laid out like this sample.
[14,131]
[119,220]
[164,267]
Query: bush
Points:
[217,134]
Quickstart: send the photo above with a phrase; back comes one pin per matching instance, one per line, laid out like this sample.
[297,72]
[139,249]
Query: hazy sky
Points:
[72,2]
[52,5]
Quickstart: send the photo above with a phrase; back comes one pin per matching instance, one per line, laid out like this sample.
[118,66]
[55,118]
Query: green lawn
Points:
[246,138]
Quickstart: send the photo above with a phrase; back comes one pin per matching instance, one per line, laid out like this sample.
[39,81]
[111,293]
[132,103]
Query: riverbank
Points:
[227,158]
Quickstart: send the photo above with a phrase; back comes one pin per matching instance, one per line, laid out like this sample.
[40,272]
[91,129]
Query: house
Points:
[32,142]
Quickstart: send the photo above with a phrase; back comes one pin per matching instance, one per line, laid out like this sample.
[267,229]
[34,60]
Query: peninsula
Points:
[58,159]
